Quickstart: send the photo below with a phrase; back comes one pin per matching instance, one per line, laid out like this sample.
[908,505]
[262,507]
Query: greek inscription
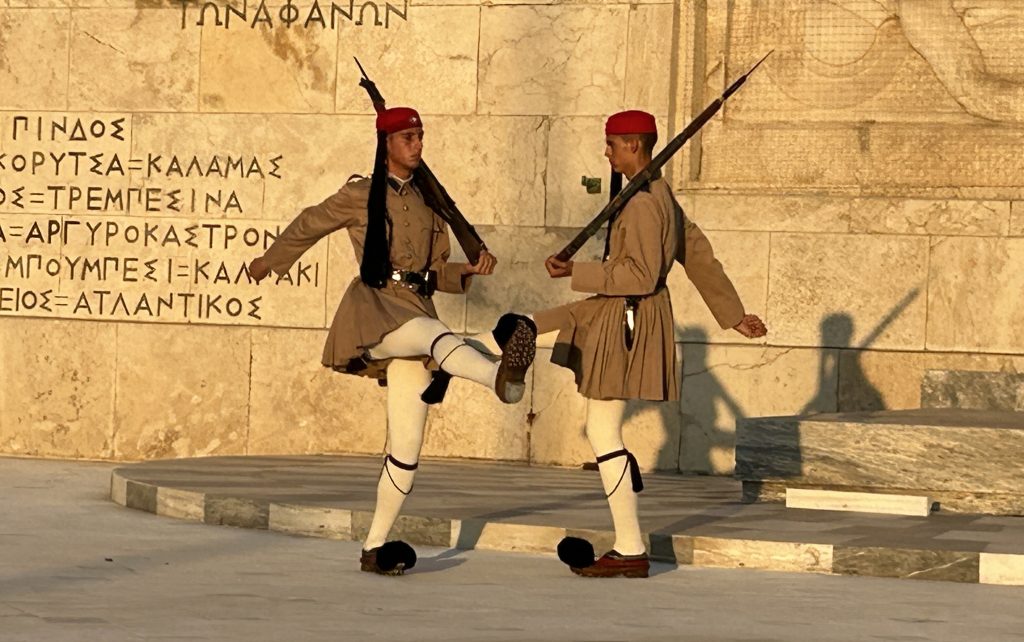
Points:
[307,15]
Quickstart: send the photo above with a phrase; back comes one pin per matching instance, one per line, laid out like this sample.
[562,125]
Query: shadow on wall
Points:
[708,408]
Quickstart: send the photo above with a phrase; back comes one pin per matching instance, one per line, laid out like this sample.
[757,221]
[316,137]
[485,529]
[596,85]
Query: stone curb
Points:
[681,549]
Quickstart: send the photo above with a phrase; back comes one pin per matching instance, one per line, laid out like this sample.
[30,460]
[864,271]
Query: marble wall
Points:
[861,190]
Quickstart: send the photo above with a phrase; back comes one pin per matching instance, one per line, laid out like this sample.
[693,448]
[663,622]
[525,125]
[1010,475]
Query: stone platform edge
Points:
[680,549]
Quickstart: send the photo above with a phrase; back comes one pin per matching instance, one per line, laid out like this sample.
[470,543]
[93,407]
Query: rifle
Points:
[434,194]
[648,173]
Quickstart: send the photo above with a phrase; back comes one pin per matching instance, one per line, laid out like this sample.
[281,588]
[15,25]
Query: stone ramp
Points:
[969,461]
[691,520]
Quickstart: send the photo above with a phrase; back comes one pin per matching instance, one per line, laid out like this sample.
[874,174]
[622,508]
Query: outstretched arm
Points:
[339,210]
[708,276]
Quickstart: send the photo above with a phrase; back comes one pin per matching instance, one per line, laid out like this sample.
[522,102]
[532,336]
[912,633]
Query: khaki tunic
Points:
[419,240]
[648,235]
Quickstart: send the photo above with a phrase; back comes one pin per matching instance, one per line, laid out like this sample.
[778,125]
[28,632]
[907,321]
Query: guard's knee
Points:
[410,468]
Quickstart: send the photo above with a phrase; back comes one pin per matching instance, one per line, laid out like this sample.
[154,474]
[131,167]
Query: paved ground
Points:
[75,566]
[691,520]
[548,496]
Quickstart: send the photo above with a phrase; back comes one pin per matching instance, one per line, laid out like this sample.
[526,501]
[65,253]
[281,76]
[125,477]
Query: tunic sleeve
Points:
[341,209]
[449,275]
[708,276]
[634,270]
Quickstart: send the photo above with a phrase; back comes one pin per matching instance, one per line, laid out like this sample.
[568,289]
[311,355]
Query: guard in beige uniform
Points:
[620,342]
[386,326]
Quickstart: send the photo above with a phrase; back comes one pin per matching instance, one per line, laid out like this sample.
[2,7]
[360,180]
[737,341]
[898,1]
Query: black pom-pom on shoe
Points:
[576,552]
[391,554]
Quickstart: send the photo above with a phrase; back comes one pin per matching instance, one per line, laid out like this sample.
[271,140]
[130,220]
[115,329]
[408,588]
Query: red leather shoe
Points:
[615,564]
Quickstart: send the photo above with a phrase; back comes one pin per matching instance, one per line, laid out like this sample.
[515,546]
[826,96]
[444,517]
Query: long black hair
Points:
[376,265]
[614,187]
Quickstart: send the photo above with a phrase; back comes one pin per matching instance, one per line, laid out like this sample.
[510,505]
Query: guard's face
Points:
[405,149]
[620,152]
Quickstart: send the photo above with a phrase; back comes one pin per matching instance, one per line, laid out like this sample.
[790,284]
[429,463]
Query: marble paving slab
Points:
[691,520]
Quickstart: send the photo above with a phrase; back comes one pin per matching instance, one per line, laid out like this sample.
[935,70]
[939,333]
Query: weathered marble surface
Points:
[875,160]
[981,503]
[146,65]
[969,303]
[521,283]
[879,380]
[181,504]
[933,451]
[1017,218]
[687,520]
[494,167]
[999,391]
[949,566]
[765,555]
[725,383]
[543,59]
[200,405]
[647,86]
[436,50]
[887,503]
[299,406]
[331,523]
[847,214]
[58,388]
[765,212]
[558,416]
[473,422]
[36,76]
[283,70]
[997,568]
[848,290]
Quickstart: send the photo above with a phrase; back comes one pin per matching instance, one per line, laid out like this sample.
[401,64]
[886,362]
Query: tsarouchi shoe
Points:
[517,337]
[615,564]
[393,558]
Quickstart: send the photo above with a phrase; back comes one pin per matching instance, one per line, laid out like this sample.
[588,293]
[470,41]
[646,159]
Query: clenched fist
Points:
[751,326]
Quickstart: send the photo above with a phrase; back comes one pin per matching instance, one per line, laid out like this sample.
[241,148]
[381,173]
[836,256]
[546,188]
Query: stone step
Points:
[687,520]
[881,503]
[968,461]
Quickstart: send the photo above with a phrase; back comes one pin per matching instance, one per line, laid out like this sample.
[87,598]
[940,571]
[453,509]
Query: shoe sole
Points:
[398,570]
[516,359]
[633,572]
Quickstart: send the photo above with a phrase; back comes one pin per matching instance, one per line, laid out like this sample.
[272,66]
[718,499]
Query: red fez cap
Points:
[630,122]
[398,118]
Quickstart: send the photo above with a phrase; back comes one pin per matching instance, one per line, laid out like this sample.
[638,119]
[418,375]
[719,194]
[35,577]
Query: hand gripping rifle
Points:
[648,173]
[434,194]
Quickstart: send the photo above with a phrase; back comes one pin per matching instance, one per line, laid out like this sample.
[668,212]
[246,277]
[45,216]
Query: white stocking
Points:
[407,418]
[425,336]
[604,430]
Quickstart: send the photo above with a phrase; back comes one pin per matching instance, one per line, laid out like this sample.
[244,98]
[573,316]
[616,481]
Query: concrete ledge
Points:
[697,521]
[881,503]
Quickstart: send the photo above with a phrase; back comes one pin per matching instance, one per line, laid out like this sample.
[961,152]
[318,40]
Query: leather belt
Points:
[422,283]
[631,304]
